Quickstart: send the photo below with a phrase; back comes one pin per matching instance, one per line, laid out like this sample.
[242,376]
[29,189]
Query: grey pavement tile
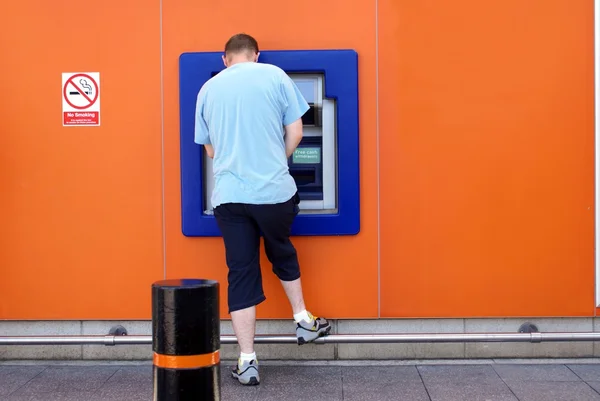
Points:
[226,371]
[13,377]
[316,375]
[299,392]
[128,375]
[68,379]
[472,391]
[283,383]
[378,391]
[112,394]
[553,373]
[587,372]
[380,374]
[553,391]
[237,392]
[595,385]
[76,396]
[458,374]
[130,383]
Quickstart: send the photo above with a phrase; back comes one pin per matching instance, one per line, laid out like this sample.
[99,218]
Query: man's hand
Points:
[209,151]
[293,136]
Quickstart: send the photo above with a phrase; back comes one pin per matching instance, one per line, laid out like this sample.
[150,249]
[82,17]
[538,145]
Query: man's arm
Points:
[209,150]
[201,134]
[294,107]
[293,136]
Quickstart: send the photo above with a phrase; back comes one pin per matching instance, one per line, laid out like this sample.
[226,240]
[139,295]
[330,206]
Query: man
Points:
[248,117]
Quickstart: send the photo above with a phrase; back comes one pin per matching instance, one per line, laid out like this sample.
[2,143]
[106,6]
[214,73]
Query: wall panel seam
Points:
[377,158]
[597,151]
[162,141]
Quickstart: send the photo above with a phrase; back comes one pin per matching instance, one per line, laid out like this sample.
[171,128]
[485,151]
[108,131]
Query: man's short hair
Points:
[241,43]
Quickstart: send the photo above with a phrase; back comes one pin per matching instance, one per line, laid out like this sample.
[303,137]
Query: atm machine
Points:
[313,164]
[325,165]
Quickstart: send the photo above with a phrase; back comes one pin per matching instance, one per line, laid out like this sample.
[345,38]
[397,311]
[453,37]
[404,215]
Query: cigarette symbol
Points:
[85,85]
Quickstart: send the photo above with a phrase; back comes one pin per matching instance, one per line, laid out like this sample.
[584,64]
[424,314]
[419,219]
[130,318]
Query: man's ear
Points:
[224,58]
[256,58]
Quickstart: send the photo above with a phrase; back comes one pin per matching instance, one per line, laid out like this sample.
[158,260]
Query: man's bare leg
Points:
[308,327]
[293,290]
[244,326]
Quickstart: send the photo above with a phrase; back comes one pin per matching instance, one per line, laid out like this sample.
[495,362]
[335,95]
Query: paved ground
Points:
[480,381]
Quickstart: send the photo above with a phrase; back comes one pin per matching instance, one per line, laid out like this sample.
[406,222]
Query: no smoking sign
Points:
[81,98]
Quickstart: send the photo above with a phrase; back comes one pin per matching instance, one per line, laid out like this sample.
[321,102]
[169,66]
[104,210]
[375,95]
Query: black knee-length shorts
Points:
[241,226]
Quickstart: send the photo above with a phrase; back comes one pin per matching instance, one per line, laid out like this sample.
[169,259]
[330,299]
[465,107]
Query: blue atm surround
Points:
[340,69]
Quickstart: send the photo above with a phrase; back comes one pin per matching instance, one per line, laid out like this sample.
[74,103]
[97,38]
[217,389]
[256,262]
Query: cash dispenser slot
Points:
[304,177]
[306,166]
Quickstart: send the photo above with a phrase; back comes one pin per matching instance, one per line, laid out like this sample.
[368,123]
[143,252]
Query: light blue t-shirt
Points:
[241,112]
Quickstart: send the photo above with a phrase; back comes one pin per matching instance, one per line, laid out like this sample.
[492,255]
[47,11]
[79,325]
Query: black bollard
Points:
[186,340]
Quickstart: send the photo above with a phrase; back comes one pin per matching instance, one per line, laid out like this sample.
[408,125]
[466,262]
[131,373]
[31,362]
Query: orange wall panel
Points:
[339,273]
[487,158]
[81,233]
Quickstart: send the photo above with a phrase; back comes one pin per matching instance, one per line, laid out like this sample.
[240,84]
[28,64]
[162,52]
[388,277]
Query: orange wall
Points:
[486,158]
[335,269]
[80,207]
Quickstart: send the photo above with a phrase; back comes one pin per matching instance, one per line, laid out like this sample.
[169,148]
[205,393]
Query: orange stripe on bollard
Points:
[186,361]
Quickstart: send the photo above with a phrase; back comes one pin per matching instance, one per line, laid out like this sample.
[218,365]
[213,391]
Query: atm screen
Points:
[307,155]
